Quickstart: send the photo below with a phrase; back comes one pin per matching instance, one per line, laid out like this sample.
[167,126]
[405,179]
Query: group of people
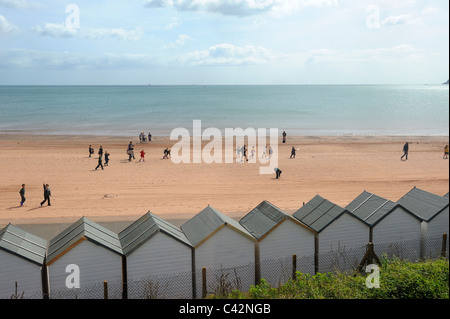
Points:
[47,195]
[406,151]
[100,156]
[143,137]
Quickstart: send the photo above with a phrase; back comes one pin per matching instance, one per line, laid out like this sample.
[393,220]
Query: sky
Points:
[229,42]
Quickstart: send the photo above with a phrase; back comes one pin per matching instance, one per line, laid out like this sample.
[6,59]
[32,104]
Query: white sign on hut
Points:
[81,258]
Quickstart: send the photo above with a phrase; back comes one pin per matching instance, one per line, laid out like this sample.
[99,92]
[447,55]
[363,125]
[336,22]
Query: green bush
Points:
[398,280]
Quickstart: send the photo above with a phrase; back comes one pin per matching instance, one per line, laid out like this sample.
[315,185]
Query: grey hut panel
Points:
[370,208]
[83,228]
[206,223]
[145,228]
[446,196]
[23,244]
[262,219]
[424,204]
[318,213]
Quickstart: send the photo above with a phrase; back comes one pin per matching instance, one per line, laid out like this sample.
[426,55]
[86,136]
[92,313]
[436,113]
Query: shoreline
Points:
[338,168]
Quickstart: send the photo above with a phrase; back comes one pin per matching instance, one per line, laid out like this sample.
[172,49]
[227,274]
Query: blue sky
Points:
[139,42]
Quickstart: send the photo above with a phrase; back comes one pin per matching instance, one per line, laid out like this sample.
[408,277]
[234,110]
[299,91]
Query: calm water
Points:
[300,110]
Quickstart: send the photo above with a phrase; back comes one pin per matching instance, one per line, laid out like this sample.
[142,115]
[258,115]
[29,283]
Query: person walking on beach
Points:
[47,194]
[130,151]
[284,136]
[149,137]
[22,195]
[100,151]
[278,172]
[244,153]
[106,158]
[292,152]
[142,156]
[405,151]
[100,164]
[445,152]
[91,150]
[238,153]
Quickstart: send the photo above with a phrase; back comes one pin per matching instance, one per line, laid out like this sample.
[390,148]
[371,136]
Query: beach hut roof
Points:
[144,229]
[318,213]
[206,223]
[83,229]
[23,244]
[424,204]
[263,219]
[446,196]
[371,208]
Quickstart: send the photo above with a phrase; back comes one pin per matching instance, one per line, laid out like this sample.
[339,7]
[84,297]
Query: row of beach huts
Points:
[151,246]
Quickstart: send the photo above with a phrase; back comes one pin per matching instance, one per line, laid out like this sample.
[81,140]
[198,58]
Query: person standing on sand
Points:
[130,151]
[99,163]
[284,136]
[47,194]
[91,150]
[100,151]
[22,195]
[445,152]
[142,156]
[292,152]
[405,151]
[106,158]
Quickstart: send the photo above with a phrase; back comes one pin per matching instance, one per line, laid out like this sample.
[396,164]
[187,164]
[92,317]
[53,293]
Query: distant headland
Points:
[446,83]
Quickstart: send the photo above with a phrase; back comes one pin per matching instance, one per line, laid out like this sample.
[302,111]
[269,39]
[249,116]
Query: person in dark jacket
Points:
[22,195]
[100,164]
[47,194]
[405,150]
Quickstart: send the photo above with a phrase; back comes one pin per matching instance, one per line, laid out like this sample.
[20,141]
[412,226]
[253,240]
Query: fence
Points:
[222,281]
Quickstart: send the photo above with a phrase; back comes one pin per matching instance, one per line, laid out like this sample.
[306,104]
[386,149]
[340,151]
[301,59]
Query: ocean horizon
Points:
[301,110]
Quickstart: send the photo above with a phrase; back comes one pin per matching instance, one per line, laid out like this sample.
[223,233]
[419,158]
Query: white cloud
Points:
[405,19]
[238,7]
[60,30]
[230,55]
[179,42]
[20,58]
[18,4]
[6,27]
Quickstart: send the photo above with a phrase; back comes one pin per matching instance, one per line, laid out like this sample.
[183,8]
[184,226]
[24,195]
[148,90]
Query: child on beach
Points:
[106,158]
[142,156]
[22,195]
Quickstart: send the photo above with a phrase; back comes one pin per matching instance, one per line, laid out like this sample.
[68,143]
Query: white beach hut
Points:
[279,236]
[223,247]
[158,259]
[83,257]
[390,225]
[22,261]
[434,211]
[336,231]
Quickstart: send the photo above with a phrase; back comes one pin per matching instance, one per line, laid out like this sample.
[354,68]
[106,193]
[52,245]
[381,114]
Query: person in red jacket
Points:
[142,156]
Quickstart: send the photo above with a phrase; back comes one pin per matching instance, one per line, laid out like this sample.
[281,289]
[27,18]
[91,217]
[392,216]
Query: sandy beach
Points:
[337,168]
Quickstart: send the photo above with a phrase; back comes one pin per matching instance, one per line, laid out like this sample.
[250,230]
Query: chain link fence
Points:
[223,281]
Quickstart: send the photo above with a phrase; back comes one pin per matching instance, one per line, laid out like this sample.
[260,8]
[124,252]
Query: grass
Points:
[397,280]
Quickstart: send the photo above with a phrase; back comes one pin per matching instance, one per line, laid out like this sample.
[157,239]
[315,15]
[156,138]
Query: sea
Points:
[301,110]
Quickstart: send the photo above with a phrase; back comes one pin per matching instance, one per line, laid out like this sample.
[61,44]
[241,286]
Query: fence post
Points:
[257,265]
[294,267]
[105,289]
[203,282]
[444,245]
